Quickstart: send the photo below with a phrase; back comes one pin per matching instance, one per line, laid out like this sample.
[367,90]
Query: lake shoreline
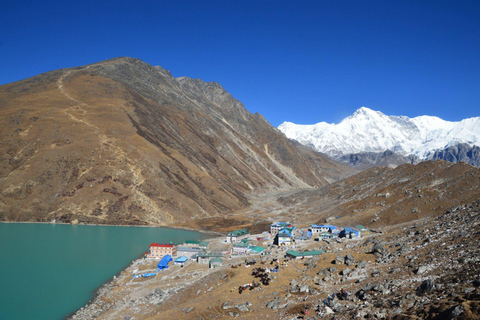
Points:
[215,233]
[96,255]
[106,287]
[96,306]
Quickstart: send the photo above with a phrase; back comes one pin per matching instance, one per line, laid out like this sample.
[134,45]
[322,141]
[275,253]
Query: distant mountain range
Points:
[369,138]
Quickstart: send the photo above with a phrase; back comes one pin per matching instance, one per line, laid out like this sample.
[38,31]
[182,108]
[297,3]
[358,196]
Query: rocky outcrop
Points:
[366,160]
[461,152]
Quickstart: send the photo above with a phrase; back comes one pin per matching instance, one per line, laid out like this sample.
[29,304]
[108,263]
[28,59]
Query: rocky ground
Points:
[425,269]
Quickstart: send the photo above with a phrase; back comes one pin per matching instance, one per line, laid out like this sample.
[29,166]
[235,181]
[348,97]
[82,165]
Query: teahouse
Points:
[237,235]
[321,228]
[284,237]
[159,250]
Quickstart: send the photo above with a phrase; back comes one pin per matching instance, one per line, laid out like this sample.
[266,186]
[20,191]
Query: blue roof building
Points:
[277,226]
[320,228]
[349,232]
[284,237]
[181,260]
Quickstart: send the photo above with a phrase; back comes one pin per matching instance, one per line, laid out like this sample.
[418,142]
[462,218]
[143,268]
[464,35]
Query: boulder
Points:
[273,304]
[339,259]
[242,307]
[421,270]
[304,288]
[425,287]
[345,272]
[349,260]
[188,309]
[331,270]
[225,306]
[378,248]
[453,312]
[322,273]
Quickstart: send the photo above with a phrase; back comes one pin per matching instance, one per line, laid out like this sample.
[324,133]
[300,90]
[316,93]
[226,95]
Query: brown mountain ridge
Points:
[123,142]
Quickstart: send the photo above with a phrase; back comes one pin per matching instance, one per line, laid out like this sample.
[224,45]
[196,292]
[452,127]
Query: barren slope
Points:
[375,198]
[122,142]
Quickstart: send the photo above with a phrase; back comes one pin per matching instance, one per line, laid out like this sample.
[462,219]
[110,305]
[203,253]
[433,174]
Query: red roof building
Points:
[158,250]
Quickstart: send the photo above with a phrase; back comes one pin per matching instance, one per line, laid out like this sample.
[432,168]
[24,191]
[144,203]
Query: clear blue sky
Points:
[298,61]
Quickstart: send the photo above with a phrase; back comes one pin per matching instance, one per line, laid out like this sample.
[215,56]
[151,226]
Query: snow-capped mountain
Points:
[372,131]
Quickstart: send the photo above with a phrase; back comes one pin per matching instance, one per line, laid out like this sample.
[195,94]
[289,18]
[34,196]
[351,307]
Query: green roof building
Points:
[201,244]
[237,235]
[306,254]
[257,249]
[215,262]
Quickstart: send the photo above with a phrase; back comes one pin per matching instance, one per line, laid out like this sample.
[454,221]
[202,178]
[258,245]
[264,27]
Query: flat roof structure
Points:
[307,254]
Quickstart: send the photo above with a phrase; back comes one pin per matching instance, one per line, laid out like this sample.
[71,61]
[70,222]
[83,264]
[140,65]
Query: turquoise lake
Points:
[49,271]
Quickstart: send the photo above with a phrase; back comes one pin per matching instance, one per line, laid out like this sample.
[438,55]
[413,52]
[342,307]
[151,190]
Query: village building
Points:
[241,248]
[305,235]
[257,250]
[215,262]
[159,250]
[327,236]
[181,260]
[321,228]
[284,237]
[292,254]
[349,233]
[205,257]
[188,251]
[196,243]
[237,235]
[277,226]
[163,264]
[362,229]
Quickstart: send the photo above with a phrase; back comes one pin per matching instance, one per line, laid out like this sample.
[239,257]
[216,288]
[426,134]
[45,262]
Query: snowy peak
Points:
[366,113]
[368,130]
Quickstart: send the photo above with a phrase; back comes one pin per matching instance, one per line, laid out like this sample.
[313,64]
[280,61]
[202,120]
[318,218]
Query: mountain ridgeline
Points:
[123,142]
[370,138]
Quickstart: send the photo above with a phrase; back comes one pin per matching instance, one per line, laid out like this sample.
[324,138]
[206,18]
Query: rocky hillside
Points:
[123,142]
[366,160]
[377,197]
[460,152]
[425,269]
